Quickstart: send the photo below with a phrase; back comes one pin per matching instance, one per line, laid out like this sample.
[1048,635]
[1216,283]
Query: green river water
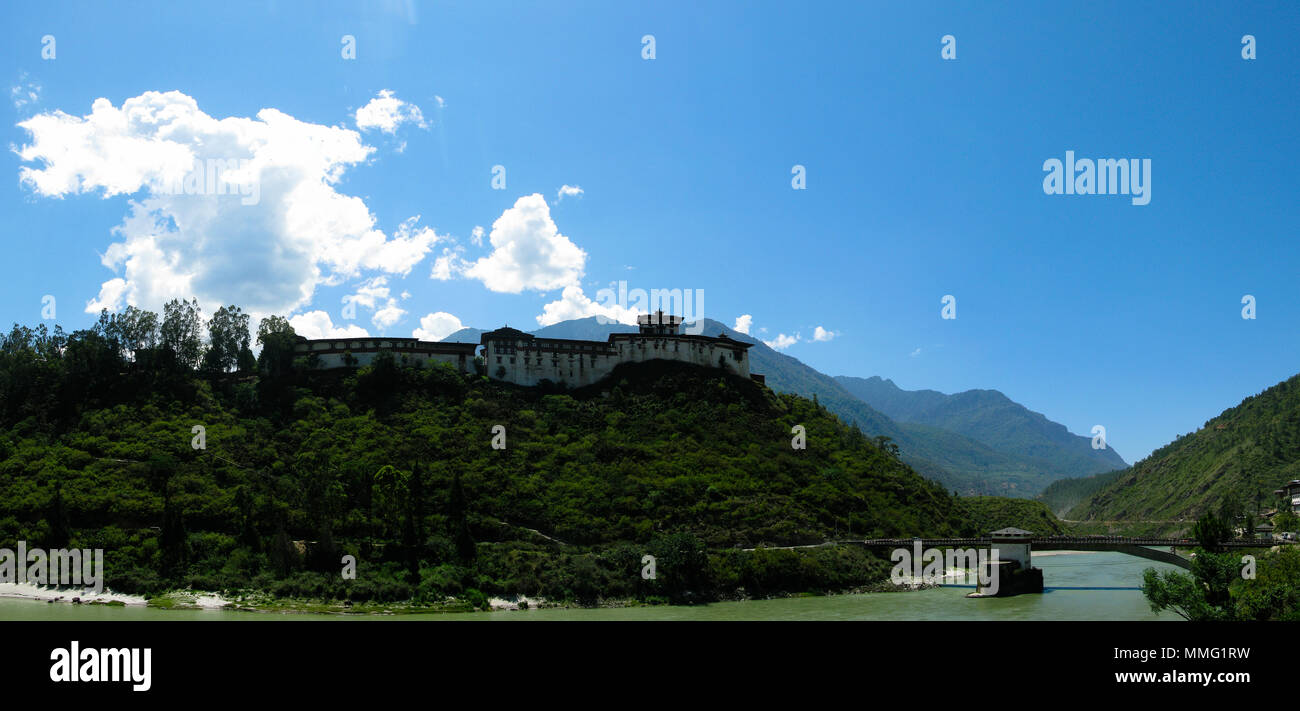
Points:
[1061,573]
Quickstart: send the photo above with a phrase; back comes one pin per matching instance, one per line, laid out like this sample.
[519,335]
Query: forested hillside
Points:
[397,467]
[1233,463]
[1064,494]
[958,461]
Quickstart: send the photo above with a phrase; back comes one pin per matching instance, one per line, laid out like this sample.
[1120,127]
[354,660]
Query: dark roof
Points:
[506,332]
[1012,532]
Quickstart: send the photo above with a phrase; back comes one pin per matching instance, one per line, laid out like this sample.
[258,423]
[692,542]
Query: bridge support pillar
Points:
[1014,573]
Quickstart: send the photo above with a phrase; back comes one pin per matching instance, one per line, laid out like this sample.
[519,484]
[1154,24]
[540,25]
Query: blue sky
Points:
[924,178]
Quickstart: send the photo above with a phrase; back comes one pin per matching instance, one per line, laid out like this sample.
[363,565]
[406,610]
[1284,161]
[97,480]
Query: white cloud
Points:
[567,191]
[437,326]
[389,315]
[476,236]
[528,251]
[386,112]
[916,352]
[268,255]
[573,303]
[110,297]
[374,294]
[782,341]
[449,264]
[743,323]
[317,324]
[24,92]
[442,103]
[821,334]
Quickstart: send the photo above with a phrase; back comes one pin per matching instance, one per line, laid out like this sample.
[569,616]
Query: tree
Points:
[227,338]
[173,537]
[1211,531]
[135,330]
[60,527]
[681,565]
[457,510]
[1205,595]
[181,334]
[277,339]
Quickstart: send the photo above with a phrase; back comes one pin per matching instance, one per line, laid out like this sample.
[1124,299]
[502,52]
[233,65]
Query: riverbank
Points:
[263,602]
[1088,587]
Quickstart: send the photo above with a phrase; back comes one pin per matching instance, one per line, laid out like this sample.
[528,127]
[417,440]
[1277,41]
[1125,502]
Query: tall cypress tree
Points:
[458,506]
[60,527]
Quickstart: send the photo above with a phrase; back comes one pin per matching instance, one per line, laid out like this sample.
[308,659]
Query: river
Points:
[1114,578]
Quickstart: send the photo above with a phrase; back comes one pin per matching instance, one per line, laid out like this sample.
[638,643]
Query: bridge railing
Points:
[1059,540]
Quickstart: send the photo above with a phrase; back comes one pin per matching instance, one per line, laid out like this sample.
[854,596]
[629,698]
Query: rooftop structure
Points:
[524,359]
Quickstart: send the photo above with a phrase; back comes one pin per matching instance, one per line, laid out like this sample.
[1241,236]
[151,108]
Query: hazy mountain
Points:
[1237,459]
[466,335]
[955,459]
[992,418]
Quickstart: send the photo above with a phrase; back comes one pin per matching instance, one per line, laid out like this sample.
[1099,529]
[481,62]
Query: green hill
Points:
[956,459]
[1064,494]
[1234,462]
[396,467]
[989,513]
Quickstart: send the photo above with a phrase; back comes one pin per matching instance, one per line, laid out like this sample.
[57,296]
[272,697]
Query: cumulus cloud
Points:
[375,295]
[567,191]
[110,297]
[269,254]
[782,341]
[317,324]
[528,251]
[573,303]
[743,323]
[821,334]
[449,264]
[437,326]
[386,112]
[476,236]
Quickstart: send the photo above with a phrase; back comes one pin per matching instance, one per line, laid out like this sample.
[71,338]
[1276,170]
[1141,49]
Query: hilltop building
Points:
[337,352]
[1290,493]
[524,359]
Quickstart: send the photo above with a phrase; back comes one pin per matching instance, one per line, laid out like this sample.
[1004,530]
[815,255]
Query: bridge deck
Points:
[1065,542]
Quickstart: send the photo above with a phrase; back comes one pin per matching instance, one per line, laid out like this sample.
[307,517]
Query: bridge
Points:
[1142,547]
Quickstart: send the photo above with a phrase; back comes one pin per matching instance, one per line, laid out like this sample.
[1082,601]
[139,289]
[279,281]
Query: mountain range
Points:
[1232,464]
[976,443]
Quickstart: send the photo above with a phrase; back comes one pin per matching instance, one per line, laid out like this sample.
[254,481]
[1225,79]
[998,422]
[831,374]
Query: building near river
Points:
[524,359]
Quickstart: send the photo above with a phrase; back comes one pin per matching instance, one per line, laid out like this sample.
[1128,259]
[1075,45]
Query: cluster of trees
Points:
[395,466]
[1225,586]
[53,376]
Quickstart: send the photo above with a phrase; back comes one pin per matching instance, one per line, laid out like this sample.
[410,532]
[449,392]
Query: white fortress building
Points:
[524,359]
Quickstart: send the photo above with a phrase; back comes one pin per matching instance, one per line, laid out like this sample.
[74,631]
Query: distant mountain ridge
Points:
[992,418]
[956,460]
